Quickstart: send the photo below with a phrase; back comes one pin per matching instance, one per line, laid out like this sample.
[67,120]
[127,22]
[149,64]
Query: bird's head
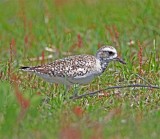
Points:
[108,54]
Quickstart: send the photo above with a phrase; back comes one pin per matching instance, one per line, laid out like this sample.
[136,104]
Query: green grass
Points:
[32,108]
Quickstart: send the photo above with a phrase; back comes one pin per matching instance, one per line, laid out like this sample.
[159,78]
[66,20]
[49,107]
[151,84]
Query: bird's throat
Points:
[104,64]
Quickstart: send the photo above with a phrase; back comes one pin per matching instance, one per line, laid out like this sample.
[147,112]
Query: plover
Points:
[78,69]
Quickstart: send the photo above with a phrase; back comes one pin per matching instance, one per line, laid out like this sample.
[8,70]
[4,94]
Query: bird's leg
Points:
[76,87]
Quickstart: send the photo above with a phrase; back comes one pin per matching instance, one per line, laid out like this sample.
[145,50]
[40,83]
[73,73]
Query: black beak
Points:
[120,60]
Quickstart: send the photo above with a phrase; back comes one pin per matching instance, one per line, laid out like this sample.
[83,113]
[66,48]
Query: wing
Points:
[73,66]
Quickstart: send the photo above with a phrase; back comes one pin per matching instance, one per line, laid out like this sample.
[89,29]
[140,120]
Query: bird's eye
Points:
[111,53]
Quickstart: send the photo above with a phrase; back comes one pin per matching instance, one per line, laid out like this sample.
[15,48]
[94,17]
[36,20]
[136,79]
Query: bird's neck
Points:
[104,64]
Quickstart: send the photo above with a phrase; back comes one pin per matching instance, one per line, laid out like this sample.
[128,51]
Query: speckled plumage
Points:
[79,69]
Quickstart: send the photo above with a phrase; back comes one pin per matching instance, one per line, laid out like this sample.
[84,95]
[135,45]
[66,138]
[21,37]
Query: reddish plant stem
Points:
[140,57]
[12,50]
[43,58]
[79,41]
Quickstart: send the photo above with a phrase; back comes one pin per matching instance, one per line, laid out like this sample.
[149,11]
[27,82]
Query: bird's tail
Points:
[28,69]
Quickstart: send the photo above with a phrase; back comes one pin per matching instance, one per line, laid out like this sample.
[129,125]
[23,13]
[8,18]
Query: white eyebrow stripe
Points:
[108,49]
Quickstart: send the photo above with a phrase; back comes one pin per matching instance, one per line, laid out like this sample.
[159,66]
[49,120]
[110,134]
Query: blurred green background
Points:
[34,32]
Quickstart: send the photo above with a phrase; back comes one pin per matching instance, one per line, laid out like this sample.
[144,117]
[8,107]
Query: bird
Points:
[77,69]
